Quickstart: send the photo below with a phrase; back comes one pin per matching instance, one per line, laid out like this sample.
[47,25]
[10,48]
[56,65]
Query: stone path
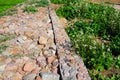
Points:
[40,50]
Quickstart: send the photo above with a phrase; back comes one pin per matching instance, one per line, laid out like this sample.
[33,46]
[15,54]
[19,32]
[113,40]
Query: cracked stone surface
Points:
[71,65]
[39,50]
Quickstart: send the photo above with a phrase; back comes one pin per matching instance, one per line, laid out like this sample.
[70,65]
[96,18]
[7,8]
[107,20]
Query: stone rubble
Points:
[40,49]
[50,76]
[71,65]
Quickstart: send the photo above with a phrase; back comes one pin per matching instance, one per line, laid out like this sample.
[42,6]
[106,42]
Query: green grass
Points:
[4,38]
[30,9]
[38,3]
[95,36]
[59,1]
[2,48]
[42,3]
[6,4]
[11,11]
[32,5]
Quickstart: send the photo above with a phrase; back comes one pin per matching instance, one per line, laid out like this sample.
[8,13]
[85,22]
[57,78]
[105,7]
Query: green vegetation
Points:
[39,3]
[9,12]
[42,3]
[95,36]
[33,4]
[7,4]
[59,1]
[4,38]
[2,48]
[30,9]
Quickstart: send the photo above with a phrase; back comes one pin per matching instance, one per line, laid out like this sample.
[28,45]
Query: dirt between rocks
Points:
[32,53]
[33,48]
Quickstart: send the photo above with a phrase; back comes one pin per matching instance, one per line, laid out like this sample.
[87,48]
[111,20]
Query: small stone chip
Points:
[49,76]
[42,40]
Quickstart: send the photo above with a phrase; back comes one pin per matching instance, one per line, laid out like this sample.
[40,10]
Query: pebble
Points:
[36,70]
[50,33]
[79,77]
[47,53]
[8,60]
[31,46]
[55,70]
[34,50]
[21,39]
[38,78]
[29,77]
[15,50]
[50,59]
[55,63]
[11,66]
[41,60]
[8,74]
[28,67]
[50,76]
[42,40]
[2,67]
[66,68]
[53,47]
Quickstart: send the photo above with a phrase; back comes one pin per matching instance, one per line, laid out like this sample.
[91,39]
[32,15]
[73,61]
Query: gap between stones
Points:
[56,53]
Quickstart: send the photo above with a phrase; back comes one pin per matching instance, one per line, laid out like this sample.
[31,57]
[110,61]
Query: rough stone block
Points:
[49,76]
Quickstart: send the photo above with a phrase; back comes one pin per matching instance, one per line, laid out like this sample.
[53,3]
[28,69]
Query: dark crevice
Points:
[59,66]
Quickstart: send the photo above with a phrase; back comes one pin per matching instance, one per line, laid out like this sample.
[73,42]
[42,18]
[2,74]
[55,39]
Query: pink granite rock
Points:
[38,78]
[50,59]
[11,66]
[79,76]
[36,70]
[42,40]
[28,67]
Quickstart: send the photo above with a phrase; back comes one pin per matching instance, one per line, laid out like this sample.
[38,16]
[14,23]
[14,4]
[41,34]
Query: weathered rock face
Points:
[29,66]
[29,77]
[50,76]
[40,46]
[33,48]
[42,40]
[71,66]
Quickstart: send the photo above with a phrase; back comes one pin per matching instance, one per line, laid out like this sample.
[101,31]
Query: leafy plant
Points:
[59,1]
[95,36]
[4,38]
[42,3]
[30,9]
[2,48]
[9,12]
[38,3]
[6,4]
[6,7]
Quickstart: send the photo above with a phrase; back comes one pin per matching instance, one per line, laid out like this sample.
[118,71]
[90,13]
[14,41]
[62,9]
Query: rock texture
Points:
[40,49]
[71,65]
[50,76]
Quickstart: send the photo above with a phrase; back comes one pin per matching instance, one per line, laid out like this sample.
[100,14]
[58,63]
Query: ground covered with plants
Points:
[8,7]
[95,35]
[7,4]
